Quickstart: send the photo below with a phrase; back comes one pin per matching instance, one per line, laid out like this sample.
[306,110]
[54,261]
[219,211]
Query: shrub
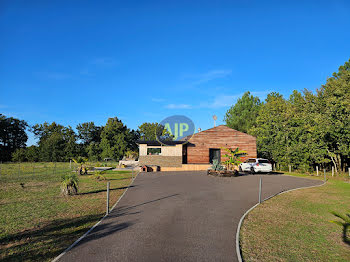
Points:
[69,185]
[217,165]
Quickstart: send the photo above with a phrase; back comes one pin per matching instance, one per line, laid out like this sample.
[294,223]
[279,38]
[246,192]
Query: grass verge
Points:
[295,226]
[38,223]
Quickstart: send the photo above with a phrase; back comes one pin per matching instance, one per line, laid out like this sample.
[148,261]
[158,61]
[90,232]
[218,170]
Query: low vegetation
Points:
[296,226]
[36,221]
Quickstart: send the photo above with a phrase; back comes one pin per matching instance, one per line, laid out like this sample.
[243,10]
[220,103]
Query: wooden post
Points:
[317,170]
[70,164]
[332,170]
[324,171]
[260,185]
[349,170]
[107,210]
[290,169]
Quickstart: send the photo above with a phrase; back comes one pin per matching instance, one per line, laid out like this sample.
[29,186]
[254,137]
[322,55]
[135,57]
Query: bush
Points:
[69,184]
[217,165]
[19,155]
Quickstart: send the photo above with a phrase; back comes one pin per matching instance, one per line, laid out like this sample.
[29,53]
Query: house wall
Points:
[171,156]
[220,136]
[166,150]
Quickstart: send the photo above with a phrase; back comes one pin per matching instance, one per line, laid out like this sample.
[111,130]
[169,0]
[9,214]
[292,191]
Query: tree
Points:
[19,155]
[12,136]
[242,116]
[56,142]
[88,132]
[334,116]
[147,131]
[116,139]
[32,153]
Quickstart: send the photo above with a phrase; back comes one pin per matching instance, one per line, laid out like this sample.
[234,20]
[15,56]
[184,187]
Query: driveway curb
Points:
[238,248]
[94,226]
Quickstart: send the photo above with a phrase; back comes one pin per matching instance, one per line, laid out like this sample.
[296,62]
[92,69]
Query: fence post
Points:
[317,170]
[70,163]
[19,169]
[290,169]
[332,170]
[260,185]
[107,211]
[324,171]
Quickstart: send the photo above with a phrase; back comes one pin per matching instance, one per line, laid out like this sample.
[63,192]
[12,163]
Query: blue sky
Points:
[78,61]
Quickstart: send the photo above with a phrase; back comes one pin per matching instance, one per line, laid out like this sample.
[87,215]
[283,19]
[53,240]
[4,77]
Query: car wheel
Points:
[240,169]
[252,171]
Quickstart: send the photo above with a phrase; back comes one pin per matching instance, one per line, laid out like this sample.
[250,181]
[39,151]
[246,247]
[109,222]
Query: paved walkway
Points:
[178,216]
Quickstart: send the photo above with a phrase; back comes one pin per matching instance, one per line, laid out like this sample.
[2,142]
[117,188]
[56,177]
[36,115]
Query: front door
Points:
[214,153]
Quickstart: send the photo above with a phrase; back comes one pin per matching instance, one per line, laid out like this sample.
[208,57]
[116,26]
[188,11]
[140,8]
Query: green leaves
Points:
[233,157]
[242,115]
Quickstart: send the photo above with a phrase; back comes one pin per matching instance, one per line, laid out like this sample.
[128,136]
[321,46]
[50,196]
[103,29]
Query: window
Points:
[250,160]
[264,161]
[154,151]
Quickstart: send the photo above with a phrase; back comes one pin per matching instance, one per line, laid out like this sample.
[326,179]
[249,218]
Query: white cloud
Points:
[209,76]
[178,106]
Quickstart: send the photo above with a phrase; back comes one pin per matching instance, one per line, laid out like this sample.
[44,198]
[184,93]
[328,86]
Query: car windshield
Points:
[251,160]
[264,161]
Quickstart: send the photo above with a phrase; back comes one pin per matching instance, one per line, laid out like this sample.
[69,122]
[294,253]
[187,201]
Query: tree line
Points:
[60,143]
[304,130]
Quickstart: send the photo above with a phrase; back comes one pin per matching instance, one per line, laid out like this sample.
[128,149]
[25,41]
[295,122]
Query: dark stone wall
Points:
[162,161]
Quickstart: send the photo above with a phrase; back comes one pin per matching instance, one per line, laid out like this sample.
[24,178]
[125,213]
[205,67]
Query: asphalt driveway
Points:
[178,216]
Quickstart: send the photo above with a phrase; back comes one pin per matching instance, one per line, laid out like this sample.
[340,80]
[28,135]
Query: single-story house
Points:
[199,152]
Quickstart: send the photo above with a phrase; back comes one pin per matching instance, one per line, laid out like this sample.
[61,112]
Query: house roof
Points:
[222,127]
[157,143]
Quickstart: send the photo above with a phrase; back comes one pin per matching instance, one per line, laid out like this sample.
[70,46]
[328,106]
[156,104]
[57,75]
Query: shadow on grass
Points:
[45,242]
[345,223]
[104,190]
[48,241]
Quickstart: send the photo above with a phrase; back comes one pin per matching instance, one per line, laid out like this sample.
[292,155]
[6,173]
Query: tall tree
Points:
[88,132]
[56,142]
[116,139]
[242,116]
[12,136]
[334,116]
[148,131]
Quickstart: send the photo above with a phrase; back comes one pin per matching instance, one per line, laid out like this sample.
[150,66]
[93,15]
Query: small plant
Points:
[99,175]
[345,224]
[82,169]
[217,165]
[234,157]
[69,185]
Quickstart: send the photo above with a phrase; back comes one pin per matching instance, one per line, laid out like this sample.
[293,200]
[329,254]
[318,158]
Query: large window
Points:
[154,151]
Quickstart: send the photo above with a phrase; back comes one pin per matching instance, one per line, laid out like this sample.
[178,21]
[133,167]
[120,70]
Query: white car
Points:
[255,165]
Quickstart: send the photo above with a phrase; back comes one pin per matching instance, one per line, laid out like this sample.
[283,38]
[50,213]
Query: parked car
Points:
[255,165]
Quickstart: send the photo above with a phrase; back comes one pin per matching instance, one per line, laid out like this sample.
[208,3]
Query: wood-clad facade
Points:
[198,150]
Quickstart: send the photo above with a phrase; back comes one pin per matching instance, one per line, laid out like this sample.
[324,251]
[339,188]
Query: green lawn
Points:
[295,226]
[36,221]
